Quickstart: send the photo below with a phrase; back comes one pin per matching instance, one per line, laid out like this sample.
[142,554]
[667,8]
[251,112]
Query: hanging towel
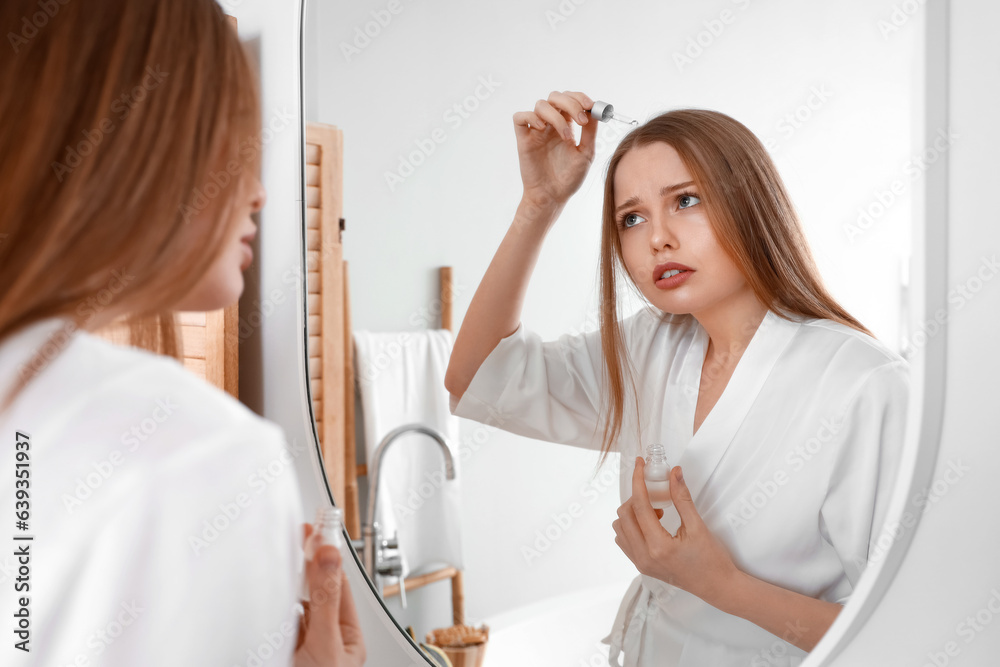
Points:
[400,379]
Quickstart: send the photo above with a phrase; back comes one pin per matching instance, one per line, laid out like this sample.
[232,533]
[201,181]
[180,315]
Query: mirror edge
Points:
[916,470]
[357,574]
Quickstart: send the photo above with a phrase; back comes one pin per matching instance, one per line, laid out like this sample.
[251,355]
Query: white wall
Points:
[767,62]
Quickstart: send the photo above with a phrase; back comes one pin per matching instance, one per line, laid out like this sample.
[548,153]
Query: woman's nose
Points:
[259,196]
[660,233]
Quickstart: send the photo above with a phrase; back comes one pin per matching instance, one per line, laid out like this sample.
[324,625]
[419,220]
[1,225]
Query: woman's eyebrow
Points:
[664,191]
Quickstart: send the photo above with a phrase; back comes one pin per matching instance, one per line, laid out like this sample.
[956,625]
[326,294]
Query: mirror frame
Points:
[929,364]
[926,406]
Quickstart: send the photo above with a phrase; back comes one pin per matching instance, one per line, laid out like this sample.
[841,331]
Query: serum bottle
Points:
[327,529]
[657,475]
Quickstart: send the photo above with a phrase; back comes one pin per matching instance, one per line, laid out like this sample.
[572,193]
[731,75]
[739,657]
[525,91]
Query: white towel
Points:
[400,378]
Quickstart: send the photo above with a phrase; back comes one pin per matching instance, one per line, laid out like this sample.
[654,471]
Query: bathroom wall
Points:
[832,97]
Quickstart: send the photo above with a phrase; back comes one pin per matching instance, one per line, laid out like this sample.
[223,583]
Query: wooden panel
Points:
[212,340]
[196,366]
[312,148]
[231,350]
[313,240]
[333,362]
[446,293]
[312,174]
[313,218]
[313,261]
[325,307]
[352,511]
[194,341]
[214,345]
[312,197]
[193,318]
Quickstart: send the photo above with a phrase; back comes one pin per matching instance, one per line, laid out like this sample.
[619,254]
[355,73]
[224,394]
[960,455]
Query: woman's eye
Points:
[687,201]
[631,220]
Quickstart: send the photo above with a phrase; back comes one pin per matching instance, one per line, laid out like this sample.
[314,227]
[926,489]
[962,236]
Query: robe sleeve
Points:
[870,445]
[548,390]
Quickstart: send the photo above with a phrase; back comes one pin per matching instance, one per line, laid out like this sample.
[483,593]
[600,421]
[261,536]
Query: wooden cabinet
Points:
[331,346]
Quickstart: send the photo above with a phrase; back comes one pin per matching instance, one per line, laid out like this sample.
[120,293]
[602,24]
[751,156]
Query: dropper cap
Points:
[605,112]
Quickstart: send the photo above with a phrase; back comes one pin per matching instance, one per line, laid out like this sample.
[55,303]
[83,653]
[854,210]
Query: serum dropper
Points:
[605,112]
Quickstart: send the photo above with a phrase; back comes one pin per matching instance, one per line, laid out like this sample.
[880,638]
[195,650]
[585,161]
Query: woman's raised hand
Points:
[553,166]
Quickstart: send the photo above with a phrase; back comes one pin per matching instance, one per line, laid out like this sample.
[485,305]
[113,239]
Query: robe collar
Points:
[705,449]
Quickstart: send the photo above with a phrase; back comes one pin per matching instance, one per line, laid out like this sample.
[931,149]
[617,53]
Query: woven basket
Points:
[468,656]
[465,646]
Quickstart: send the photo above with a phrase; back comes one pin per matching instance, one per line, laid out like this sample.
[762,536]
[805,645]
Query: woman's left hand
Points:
[331,632]
[693,559]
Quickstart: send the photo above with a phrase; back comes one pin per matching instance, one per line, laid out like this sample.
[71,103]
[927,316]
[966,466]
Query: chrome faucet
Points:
[375,563]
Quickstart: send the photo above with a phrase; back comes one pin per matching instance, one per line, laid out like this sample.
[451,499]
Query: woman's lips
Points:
[248,251]
[673,281]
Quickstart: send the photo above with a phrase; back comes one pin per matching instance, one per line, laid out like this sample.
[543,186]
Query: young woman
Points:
[783,414]
[158,519]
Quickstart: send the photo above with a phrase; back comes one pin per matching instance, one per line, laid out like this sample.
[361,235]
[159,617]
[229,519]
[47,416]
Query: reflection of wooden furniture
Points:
[418,581]
[331,348]
[326,304]
[212,346]
[209,341]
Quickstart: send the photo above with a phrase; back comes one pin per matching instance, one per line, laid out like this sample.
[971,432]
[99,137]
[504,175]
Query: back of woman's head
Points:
[752,218]
[126,131]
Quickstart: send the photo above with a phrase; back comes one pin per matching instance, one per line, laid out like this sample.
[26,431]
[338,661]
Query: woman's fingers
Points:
[588,138]
[584,100]
[574,105]
[350,625]
[325,594]
[559,110]
[528,120]
[554,117]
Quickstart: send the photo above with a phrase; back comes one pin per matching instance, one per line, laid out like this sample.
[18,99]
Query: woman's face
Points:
[222,284]
[661,219]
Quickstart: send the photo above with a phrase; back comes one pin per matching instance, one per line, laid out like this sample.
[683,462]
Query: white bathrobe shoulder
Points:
[792,469]
[165,518]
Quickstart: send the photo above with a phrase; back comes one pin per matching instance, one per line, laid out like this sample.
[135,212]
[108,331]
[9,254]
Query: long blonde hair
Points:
[121,123]
[752,218]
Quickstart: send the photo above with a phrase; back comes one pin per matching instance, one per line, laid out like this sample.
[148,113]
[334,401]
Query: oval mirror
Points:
[410,181]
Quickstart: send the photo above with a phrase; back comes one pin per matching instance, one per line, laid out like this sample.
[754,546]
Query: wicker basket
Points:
[468,656]
[465,646]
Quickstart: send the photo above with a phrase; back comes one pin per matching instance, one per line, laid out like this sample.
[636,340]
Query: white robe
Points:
[792,469]
[165,515]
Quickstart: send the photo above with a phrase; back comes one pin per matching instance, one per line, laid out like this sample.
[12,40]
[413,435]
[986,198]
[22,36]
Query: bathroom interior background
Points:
[830,88]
